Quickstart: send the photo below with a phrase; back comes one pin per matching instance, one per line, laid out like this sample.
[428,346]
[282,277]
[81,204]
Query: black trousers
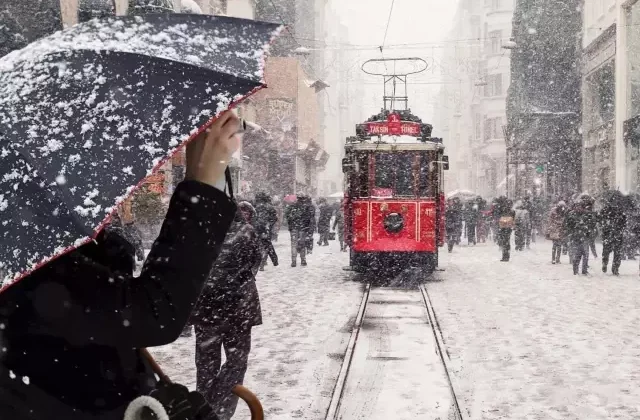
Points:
[580,253]
[608,246]
[214,381]
[556,251]
[471,233]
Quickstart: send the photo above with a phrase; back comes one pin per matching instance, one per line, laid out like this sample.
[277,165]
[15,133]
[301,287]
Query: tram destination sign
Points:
[394,126]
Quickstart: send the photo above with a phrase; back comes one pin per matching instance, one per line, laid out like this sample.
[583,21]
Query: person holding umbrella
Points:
[86,115]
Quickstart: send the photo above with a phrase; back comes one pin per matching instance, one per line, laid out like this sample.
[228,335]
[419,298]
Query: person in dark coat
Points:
[266,219]
[581,226]
[338,225]
[324,222]
[613,222]
[471,215]
[72,330]
[228,308]
[505,220]
[301,217]
[453,222]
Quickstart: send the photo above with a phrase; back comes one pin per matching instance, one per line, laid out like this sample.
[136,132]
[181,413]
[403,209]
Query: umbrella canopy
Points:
[87,113]
[462,194]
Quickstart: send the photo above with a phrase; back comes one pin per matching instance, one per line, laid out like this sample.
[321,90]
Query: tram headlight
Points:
[393,223]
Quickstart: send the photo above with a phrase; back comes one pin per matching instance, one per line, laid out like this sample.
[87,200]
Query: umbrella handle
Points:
[255,407]
[155,366]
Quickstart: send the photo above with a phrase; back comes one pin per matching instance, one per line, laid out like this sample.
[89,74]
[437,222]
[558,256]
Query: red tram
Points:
[394,201]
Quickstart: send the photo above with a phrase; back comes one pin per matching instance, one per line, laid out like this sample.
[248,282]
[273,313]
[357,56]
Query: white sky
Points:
[422,23]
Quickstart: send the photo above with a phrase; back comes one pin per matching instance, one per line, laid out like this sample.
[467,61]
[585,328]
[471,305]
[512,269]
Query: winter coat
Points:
[324,221]
[581,224]
[72,328]
[555,224]
[523,218]
[453,218]
[266,219]
[471,215]
[338,222]
[229,299]
[301,215]
[613,222]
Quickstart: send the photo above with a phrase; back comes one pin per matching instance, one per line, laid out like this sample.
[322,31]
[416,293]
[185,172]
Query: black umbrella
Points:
[87,113]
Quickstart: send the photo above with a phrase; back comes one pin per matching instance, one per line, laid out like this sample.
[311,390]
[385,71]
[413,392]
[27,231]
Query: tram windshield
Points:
[394,174]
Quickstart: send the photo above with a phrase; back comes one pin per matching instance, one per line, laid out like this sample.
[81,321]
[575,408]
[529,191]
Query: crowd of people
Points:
[573,224]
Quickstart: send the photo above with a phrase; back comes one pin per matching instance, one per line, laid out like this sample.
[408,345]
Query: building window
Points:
[496,4]
[495,38]
[633,69]
[493,128]
[494,85]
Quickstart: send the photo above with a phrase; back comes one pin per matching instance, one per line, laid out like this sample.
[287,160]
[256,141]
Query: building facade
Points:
[475,82]
[285,155]
[598,93]
[611,89]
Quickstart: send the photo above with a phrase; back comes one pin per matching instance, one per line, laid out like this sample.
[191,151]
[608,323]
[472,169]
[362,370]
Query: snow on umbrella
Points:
[87,113]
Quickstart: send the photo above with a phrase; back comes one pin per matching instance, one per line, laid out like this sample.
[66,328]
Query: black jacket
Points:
[613,222]
[301,215]
[324,221]
[229,299]
[266,219]
[73,327]
[581,224]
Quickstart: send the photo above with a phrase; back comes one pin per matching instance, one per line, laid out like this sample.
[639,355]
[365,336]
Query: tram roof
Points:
[409,143]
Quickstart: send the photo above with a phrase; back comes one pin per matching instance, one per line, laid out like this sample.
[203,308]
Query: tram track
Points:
[339,397]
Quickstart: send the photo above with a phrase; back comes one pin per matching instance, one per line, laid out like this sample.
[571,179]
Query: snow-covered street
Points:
[527,339]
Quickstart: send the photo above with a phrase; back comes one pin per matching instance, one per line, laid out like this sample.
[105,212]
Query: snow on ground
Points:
[529,340]
[396,372]
[296,354]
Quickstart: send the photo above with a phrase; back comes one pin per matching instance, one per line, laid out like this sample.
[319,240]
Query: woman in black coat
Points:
[71,331]
[227,310]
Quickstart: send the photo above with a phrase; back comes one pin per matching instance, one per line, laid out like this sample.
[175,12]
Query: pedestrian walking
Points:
[324,221]
[301,220]
[265,223]
[228,309]
[338,225]
[453,222]
[555,230]
[505,219]
[613,221]
[581,228]
[522,225]
[471,215]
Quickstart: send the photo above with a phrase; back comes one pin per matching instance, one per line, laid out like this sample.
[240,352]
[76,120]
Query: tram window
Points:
[362,175]
[428,180]
[404,175]
[385,168]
